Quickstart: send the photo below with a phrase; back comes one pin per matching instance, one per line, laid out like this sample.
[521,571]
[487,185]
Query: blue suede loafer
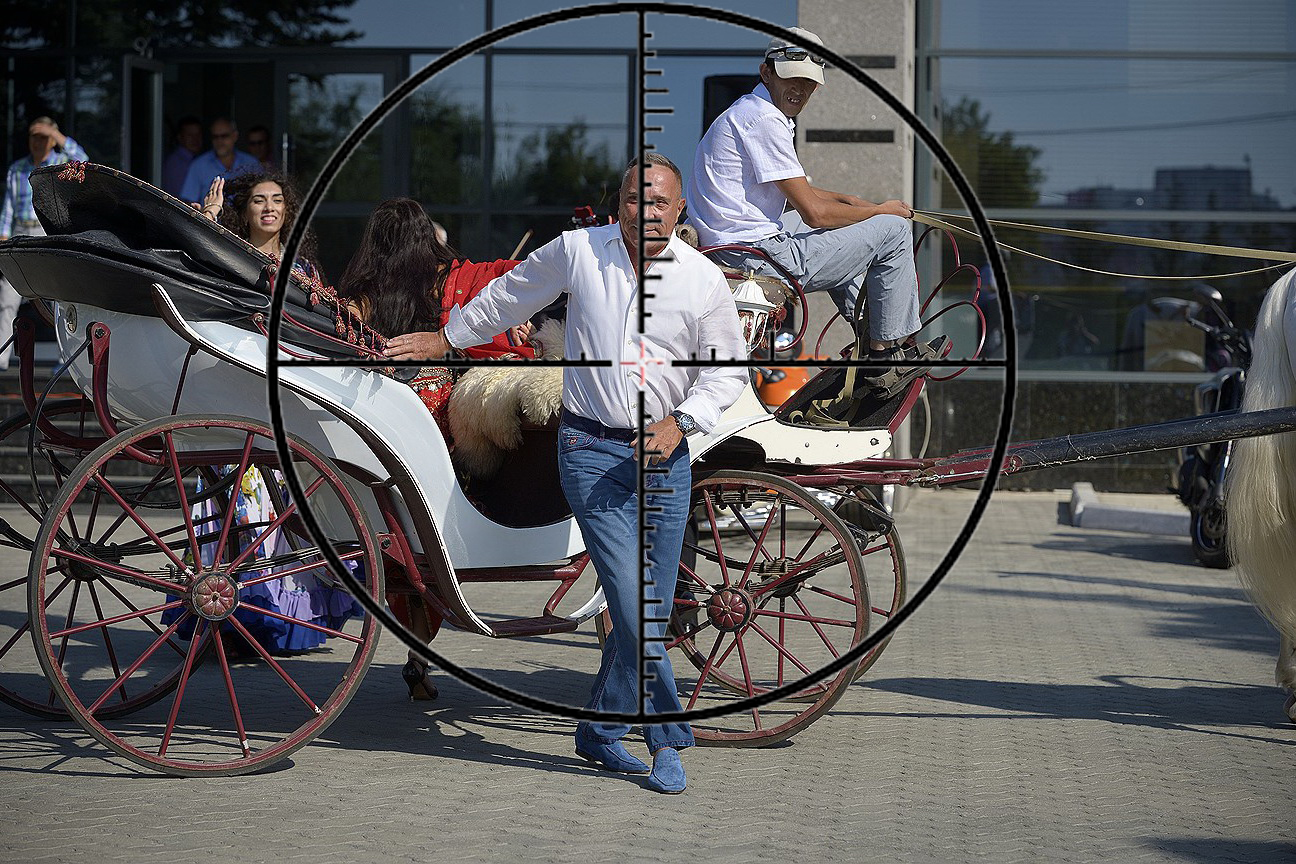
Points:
[613,757]
[667,774]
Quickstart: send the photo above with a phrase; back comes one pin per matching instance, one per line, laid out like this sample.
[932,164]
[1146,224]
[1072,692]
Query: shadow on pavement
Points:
[1235,626]
[1117,699]
[458,725]
[1219,849]
[1134,547]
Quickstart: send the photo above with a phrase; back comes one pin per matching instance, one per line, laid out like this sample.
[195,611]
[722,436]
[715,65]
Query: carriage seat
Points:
[504,422]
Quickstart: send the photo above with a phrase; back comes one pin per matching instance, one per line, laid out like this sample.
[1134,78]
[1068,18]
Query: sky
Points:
[1113,120]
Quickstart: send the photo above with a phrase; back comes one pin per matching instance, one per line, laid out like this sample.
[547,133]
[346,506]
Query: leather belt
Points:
[597,429]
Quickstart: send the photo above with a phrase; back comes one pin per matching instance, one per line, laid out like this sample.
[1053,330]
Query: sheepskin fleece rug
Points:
[488,406]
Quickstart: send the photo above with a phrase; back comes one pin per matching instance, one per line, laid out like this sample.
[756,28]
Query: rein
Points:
[937,220]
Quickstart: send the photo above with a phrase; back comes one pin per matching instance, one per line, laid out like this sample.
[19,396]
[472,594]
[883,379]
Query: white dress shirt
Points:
[732,197]
[692,313]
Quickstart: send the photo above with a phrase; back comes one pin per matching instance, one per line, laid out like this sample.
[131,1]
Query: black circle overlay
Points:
[398,95]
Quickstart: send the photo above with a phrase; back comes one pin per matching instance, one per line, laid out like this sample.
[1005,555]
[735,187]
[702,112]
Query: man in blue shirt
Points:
[220,161]
[48,146]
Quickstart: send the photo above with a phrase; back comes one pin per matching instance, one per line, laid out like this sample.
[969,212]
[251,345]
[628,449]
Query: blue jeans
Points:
[599,477]
[876,254]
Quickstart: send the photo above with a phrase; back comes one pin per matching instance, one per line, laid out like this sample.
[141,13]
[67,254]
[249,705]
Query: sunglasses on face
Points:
[796,55]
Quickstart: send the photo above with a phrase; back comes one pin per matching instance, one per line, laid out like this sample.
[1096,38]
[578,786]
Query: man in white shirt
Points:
[745,173]
[692,315]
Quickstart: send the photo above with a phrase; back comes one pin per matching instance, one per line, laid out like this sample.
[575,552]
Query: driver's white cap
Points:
[806,68]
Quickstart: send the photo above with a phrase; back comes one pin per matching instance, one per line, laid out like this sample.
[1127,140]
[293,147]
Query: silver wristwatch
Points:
[685,422]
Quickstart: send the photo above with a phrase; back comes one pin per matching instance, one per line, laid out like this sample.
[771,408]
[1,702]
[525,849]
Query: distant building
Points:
[1208,188]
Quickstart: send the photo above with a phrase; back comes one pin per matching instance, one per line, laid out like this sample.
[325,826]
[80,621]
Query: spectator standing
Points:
[188,145]
[258,144]
[47,146]
[223,160]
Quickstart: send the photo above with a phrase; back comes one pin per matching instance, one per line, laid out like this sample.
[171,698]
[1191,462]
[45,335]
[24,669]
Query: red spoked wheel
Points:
[192,568]
[883,555]
[777,592]
[34,469]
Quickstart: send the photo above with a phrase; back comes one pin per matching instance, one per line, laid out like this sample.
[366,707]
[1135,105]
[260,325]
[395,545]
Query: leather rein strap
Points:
[938,220]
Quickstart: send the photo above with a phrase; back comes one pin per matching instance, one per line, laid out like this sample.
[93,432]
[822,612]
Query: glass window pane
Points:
[40,87]
[682,31]
[98,123]
[1116,25]
[322,110]
[397,23]
[601,31]
[447,136]
[508,230]
[1068,319]
[1103,132]
[562,130]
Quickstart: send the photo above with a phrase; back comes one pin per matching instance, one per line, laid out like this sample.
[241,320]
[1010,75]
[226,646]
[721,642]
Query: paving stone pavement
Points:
[1066,695]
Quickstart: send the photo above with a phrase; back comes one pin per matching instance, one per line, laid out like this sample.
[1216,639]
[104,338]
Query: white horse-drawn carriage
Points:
[143,577]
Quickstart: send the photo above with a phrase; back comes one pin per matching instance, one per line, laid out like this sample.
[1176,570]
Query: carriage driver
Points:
[746,171]
[692,315]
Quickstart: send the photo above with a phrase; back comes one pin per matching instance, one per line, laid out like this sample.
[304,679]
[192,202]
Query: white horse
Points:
[1261,483]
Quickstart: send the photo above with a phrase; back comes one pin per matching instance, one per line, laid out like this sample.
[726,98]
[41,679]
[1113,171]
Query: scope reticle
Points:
[409,86]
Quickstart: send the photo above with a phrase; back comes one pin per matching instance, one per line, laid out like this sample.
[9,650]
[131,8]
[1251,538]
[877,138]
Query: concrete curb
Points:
[1088,512]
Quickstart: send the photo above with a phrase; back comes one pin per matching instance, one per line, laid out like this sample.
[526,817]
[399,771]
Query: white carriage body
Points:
[229,377]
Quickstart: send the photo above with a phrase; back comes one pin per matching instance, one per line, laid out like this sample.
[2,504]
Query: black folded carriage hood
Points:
[110,237]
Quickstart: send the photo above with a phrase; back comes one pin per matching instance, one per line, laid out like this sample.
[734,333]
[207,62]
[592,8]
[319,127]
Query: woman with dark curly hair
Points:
[404,278]
[261,207]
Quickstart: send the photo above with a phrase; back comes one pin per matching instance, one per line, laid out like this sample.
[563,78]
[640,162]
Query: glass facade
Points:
[499,146]
[1167,119]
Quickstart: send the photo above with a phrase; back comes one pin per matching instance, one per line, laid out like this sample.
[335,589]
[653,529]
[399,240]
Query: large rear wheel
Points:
[32,468]
[187,568]
[884,565]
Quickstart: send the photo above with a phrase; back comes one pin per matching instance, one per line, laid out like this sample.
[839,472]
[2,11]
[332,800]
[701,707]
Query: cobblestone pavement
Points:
[1066,695]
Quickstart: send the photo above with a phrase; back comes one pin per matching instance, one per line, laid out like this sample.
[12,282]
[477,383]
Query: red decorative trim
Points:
[74,171]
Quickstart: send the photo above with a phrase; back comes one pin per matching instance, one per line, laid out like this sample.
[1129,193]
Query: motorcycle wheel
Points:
[1206,529]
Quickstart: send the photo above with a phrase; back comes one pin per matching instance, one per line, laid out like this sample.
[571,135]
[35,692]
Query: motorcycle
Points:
[1202,467]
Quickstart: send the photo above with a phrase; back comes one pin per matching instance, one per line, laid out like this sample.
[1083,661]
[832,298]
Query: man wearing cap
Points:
[746,172]
[47,146]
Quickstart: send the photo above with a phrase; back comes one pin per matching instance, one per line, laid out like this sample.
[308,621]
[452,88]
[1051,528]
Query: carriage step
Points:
[541,625]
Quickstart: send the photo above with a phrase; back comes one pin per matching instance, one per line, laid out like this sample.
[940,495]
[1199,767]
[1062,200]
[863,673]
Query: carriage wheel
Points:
[22,683]
[777,593]
[184,570]
[884,563]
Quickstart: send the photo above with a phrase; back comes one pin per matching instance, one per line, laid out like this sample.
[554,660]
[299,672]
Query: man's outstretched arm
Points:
[821,208]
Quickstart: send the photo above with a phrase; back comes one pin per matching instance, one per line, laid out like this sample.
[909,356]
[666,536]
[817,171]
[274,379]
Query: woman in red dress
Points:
[404,279]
